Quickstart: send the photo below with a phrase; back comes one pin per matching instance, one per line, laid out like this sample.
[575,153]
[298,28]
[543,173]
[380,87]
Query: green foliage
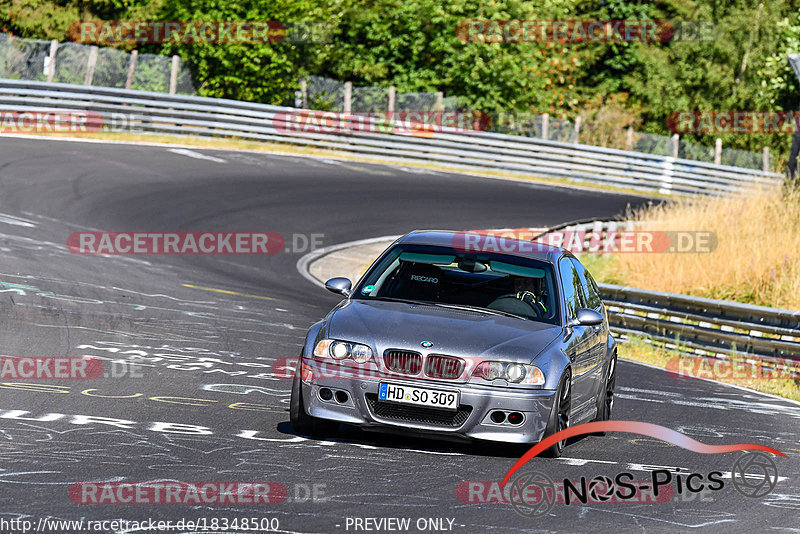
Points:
[743,66]
[50,19]
[414,46]
[259,72]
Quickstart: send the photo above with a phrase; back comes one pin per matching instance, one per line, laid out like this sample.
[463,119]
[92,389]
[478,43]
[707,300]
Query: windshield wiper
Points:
[405,301]
[478,309]
[467,307]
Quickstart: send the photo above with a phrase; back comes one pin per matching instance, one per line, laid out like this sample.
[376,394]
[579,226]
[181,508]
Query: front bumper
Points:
[471,421]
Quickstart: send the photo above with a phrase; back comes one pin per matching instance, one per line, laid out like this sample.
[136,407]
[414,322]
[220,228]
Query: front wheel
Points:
[605,398]
[559,415]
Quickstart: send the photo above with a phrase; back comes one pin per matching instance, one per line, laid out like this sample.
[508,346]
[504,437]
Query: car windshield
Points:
[482,282]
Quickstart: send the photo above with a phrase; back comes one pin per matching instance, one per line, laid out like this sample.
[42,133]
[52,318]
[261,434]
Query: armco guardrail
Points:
[473,151]
[713,326]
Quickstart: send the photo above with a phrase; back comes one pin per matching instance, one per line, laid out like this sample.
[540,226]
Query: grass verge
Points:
[637,349]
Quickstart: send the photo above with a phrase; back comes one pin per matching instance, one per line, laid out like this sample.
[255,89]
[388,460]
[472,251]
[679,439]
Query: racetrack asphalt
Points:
[206,332]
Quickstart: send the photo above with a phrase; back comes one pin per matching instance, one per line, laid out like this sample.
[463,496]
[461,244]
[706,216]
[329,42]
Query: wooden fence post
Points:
[545,126]
[629,139]
[348,97]
[51,61]
[90,65]
[173,75]
[131,69]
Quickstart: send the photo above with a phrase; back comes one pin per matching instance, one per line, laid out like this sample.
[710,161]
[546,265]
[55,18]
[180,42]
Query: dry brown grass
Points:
[757,258]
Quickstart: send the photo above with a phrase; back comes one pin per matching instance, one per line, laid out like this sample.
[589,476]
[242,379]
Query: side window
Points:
[573,294]
[591,293]
[594,293]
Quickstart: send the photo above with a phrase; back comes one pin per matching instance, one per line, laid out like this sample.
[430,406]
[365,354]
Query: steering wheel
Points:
[525,297]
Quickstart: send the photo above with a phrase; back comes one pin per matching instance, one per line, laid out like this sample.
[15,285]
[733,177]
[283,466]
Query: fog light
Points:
[498,417]
[325,394]
[341,397]
[515,418]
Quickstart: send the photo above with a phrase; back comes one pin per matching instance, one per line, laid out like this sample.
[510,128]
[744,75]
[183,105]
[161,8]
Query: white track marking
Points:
[196,155]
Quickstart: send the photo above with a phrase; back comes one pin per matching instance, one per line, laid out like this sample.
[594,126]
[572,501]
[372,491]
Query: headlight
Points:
[341,350]
[515,373]
[360,353]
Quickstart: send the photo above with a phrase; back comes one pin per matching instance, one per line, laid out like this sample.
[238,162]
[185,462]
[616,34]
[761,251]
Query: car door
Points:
[599,333]
[579,339]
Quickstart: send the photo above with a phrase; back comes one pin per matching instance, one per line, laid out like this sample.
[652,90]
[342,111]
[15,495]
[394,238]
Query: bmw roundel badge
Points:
[426,344]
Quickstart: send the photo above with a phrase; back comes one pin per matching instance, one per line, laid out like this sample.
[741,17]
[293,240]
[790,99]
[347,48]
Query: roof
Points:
[473,242]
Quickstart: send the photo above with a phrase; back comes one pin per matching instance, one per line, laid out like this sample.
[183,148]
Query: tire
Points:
[302,423]
[559,415]
[605,397]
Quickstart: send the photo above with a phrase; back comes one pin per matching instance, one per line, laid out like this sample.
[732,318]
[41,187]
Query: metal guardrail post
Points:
[765,160]
[392,97]
[676,142]
[576,133]
[718,151]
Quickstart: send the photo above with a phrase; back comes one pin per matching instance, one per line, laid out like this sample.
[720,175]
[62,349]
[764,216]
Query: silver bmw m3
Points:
[460,336]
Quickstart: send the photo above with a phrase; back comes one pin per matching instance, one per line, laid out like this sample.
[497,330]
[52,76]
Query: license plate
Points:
[434,398]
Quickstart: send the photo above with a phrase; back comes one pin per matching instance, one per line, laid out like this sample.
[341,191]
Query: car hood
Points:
[383,325]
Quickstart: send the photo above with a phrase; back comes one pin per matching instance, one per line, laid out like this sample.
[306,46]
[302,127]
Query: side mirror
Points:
[339,285]
[587,317]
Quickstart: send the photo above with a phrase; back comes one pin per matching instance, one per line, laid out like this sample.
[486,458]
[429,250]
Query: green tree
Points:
[259,72]
[415,46]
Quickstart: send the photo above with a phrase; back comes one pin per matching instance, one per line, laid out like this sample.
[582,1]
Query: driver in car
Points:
[528,298]
[531,291]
